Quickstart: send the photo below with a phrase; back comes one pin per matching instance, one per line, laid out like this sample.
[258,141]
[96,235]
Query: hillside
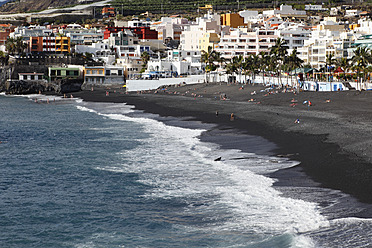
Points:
[19,6]
[125,7]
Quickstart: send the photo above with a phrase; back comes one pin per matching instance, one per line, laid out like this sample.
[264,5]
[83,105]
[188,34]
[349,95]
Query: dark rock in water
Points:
[21,87]
[218,159]
[68,85]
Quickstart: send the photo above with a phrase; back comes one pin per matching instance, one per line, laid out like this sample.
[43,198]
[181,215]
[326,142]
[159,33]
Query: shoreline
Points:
[320,152]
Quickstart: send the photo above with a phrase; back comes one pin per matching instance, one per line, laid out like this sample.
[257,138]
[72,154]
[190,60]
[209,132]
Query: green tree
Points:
[293,62]
[344,64]
[278,53]
[264,60]
[15,45]
[10,46]
[250,65]
[330,61]
[361,60]
[209,58]
[145,57]
[3,58]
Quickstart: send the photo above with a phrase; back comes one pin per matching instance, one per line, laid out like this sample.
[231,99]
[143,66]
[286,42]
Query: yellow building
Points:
[209,39]
[63,44]
[208,7]
[354,26]
[233,20]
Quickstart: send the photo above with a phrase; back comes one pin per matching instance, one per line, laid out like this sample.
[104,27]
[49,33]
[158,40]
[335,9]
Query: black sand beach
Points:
[332,139]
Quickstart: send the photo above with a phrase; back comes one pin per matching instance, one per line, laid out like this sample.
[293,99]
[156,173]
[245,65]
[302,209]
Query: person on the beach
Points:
[232,117]
[297,121]
[216,113]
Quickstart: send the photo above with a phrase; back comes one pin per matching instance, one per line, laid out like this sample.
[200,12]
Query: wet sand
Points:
[332,140]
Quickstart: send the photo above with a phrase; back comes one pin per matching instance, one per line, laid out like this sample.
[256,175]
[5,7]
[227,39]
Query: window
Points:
[32,77]
[76,73]
[39,77]
[58,72]
[107,72]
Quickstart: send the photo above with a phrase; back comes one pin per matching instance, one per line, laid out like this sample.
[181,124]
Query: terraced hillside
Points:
[19,6]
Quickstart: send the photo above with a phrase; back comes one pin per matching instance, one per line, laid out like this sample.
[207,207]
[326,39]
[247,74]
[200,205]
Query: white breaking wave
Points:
[178,164]
[82,108]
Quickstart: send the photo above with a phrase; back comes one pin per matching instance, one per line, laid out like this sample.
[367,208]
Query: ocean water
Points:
[79,174]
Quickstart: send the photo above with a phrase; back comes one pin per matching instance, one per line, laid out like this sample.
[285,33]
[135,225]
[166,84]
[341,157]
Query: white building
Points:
[170,27]
[315,7]
[129,57]
[191,35]
[322,43]
[101,52]
[138,23]
[284,10]
[352,12]
[249,15]
[364,27]
[104,75]
[122,38]
[83,36]
[294,34]
[31,31]
[246,43]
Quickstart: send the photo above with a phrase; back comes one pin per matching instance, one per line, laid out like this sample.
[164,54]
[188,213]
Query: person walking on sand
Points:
[232,117]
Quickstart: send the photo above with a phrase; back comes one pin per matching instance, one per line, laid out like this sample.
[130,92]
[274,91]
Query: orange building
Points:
[48,44]
[5,30]
[63,44]
[232,20]
[108,12]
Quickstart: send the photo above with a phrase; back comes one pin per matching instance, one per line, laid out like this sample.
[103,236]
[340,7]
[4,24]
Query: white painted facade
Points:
[101,52]
[191,35]
[293,34]
[111,75]
[249,15]
[169,27]
[324,42]
[284,10]
[245,43]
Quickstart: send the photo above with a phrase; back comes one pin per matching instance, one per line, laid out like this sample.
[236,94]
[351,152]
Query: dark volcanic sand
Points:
[332,140]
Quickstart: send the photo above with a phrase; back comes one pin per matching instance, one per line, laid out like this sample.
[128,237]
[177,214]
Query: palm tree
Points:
[3,58]
[20,45]
[278,52]
[236,65]
[209,58]
[231,67]
[361,59]
[10,46]
[343,63]
[294,62]
[263,64]
[330,60]
[255,65]
[250,66]
[15,46]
